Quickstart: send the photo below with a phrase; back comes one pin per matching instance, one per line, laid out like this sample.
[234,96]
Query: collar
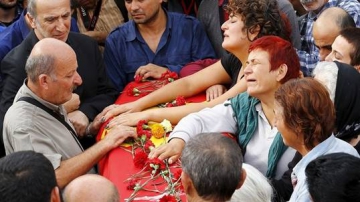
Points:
[134,31]
[24,29]
[18,12]
[318,150]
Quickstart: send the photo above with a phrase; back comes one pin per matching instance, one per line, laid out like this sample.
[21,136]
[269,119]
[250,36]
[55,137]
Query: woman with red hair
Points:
[249,116]
[248,20]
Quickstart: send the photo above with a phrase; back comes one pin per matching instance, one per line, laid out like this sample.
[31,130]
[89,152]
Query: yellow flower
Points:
[157,130]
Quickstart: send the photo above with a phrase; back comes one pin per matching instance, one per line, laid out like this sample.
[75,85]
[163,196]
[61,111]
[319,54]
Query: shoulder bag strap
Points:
[59,117]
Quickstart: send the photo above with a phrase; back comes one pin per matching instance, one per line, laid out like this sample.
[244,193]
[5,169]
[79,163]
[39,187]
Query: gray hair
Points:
[213,162]
[40,64]
[327,73]
[31,7]
[256,187]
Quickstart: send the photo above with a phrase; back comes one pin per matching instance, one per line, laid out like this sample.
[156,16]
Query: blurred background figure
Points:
[256,187]
[334,178]
[27,176]
[10,11]
[91,188]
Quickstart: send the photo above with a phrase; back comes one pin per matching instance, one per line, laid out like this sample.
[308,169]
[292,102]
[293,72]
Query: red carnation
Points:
[177,174]
[140,159]
[139,126]
[131,185]
[168,198]
[138,78]
[147,146]
[156,164]
[180,100]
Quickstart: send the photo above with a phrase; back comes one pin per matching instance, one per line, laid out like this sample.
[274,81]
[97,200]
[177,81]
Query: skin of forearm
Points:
[80,164]
[175,114]
[168,93]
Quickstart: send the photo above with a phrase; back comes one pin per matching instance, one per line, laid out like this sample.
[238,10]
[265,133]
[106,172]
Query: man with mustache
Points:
[309,53]
[51,19]
[38,120]
[153,42]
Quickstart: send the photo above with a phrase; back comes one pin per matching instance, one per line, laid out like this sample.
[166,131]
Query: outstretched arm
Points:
[187,86]
[174,114]
[217,119]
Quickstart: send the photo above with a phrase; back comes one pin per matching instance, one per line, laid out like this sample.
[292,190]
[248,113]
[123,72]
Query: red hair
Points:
[280,52]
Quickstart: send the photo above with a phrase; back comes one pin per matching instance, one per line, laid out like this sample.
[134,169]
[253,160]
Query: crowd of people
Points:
[282,77]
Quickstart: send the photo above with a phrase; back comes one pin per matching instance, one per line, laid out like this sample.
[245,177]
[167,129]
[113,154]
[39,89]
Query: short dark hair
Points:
[213,162]
[334,178]
[262,13]
[351,35]
[26,176]
[307,109]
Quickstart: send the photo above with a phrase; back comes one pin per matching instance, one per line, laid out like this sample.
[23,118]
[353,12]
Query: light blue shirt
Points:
[330,145]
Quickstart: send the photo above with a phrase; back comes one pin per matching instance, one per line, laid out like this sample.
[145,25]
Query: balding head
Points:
[328,26]
[45,56]
[51,69]
[90,188]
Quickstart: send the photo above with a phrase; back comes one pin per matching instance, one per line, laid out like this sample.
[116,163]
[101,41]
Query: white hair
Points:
[327,73]
[256,187]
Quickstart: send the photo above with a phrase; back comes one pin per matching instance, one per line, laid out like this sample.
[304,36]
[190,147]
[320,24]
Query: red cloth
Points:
[118,164]
[196,66]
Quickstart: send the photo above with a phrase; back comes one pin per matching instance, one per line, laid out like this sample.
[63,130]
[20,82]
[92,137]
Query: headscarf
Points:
[347,102]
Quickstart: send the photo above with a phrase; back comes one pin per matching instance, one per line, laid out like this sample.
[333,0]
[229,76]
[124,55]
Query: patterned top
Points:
[309,53]
[110,17]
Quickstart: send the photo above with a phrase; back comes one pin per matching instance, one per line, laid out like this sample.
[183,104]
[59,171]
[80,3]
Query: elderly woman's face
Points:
[259,79]
[289,137]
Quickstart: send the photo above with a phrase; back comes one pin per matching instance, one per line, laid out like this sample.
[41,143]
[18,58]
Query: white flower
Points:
[167,125]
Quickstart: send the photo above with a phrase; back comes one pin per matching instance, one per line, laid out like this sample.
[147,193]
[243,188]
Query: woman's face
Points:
[235,38]
[290,138]
[259,79]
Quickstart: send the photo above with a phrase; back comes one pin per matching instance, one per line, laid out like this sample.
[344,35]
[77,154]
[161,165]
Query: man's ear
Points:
[187,184]
[55,195]
[43,80]
[242,178]
[31,20]
[282,70]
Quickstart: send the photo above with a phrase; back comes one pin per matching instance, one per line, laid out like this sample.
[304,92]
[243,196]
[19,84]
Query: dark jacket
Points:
[96,92]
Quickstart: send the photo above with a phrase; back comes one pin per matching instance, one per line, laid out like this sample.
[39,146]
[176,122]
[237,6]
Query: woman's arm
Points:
[174,114]
[187,87]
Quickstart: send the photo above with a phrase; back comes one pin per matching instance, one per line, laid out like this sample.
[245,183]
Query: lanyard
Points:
[90,23]
[187,9]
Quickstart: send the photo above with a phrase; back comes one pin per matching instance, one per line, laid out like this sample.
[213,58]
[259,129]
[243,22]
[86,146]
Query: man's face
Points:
[341,50]
[87,4]
[8,4]
[323,43]
[53,19]
[143,11]
[64,81]
[313,5]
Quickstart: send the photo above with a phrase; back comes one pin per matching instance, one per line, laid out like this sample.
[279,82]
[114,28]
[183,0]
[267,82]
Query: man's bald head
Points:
[90,187]
[328,26]
[48,52]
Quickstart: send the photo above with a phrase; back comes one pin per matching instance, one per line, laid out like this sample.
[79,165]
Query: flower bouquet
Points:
[137,89]
[153,173]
